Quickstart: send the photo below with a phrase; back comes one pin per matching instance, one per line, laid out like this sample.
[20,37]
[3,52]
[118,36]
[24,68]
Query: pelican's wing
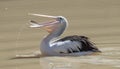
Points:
[73,44]
[66,47]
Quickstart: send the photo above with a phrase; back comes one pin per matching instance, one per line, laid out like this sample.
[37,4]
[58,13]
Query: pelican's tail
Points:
[34,24]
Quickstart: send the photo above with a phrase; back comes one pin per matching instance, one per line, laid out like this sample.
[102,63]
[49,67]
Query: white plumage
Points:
[62,47]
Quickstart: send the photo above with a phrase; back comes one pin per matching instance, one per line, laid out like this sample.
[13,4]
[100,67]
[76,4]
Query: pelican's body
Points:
[70,45]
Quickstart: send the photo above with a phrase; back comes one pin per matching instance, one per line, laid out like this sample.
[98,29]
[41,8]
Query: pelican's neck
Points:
[45,45]
[56,33]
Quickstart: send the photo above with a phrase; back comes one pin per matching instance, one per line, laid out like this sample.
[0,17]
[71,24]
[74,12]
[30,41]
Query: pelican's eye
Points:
[60,18]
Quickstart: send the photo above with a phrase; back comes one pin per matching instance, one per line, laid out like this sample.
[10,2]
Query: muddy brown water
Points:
[97,19]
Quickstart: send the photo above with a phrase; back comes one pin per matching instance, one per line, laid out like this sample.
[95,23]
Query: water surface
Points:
[97,19]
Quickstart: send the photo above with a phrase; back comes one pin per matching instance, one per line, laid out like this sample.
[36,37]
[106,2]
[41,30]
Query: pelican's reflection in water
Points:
[54,63]
[107,60]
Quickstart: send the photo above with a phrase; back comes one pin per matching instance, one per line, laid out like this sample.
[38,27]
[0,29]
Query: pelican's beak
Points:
[49,26]
[41,15]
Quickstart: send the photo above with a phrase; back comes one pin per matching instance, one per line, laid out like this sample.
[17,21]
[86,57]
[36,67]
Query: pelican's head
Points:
[51,25]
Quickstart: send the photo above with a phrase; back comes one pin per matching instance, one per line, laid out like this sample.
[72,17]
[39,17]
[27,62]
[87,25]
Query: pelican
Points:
[52,45]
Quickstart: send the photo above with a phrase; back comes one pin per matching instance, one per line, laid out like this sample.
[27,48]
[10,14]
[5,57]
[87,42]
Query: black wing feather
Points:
[84,41]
